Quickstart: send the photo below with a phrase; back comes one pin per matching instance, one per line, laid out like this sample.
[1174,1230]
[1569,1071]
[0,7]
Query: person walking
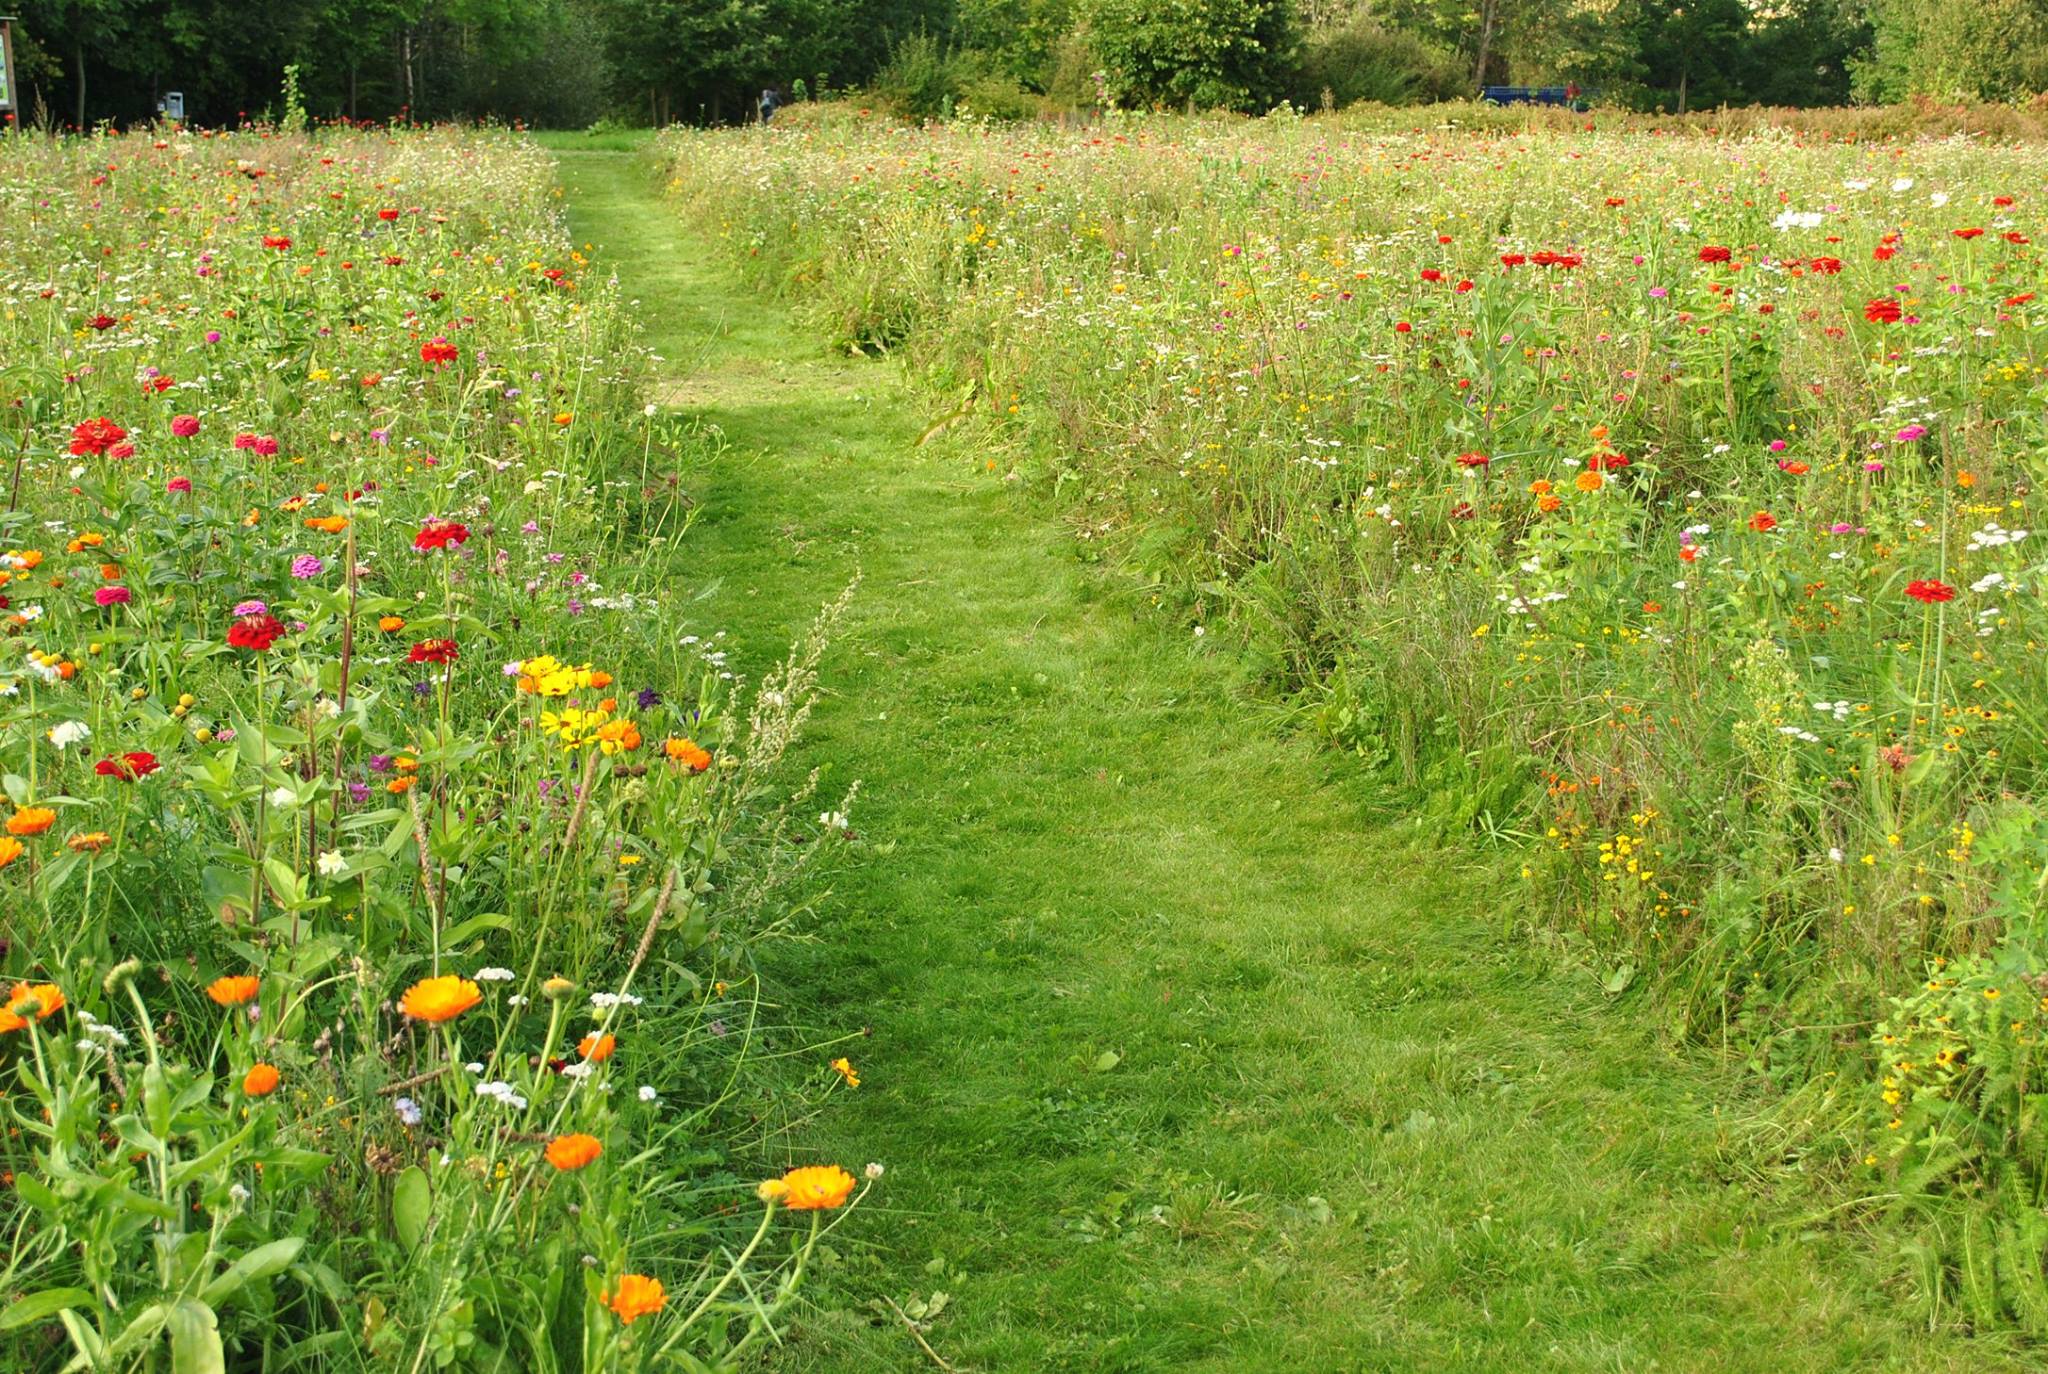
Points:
[771,101]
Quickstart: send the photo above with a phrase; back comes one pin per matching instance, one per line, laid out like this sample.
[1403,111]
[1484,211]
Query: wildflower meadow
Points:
[385,838]
[1646,505]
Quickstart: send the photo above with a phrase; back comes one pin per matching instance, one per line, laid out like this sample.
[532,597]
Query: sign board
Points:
[7,98]
[172,106]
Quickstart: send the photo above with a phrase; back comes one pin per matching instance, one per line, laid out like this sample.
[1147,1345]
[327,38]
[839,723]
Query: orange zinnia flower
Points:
[637,1296]
[813,1188]
[597,1048]
[31,820]
[567,1152]
[233,990]
[261,1080]
[40,1000]
[440,999]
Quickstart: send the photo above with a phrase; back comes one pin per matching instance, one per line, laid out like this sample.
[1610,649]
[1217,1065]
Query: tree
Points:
[1219,54]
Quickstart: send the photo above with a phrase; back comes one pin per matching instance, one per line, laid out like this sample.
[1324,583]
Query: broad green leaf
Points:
[259,1263]
[412,1203]
[42,1306]
[195,1340]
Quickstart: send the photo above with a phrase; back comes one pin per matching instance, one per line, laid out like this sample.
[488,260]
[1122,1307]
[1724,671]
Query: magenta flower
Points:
[243,608]
[111,596]
[306,565]
[1910,433]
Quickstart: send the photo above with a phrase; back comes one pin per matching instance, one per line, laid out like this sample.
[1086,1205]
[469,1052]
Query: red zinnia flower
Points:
[128,767]
[434,651]
[439,534]
[1763,522]
[1473,460]
[1967,233]
[1827,267]
[184,426]
[1714,252]
[439,352]
[277,241]
[96,437]
[103,322]
[1928,590]
[1883,310]
[387,215]
[1512,259]
[255,632]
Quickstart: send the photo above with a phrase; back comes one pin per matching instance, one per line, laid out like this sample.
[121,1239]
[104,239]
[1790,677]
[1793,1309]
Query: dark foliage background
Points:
[573,62]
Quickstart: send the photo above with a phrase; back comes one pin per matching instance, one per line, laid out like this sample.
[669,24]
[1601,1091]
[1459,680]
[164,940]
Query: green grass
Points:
[1184,1055]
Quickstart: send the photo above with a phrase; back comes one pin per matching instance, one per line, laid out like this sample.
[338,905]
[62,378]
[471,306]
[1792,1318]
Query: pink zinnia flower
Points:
[243,608]
[266,446]
[184,426]
[111,596]
[1910,433]
[177,486]
[306,565]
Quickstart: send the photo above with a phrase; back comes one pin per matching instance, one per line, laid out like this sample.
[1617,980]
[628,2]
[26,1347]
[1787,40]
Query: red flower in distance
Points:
[1883,310]
[439,352]
[1967,233]
[276,241]
[255,633]
[1714,252]
[1928,590]
[387,215]
[102,322]
[1473,460]
[184,426]
[96,437]
[439,534]
[1763,522]
[433,651]
[128,767]
[1827,267]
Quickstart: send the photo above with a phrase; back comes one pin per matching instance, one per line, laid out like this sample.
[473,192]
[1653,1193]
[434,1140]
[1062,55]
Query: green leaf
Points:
[42,1306]
[195,1340]
[412,1203]
[259,1263]
[1106,1061]
[468,930]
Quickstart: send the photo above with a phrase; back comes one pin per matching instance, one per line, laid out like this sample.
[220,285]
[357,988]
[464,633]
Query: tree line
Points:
[572,62]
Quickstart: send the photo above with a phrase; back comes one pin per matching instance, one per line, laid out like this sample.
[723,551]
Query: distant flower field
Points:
[381,848]
[1658,506]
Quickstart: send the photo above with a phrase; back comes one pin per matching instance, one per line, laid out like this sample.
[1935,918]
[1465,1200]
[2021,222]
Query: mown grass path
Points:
[1182,1057]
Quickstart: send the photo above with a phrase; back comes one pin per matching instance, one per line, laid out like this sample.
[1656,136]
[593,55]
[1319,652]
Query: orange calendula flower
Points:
[440,999]
[89,842]
[688,753]
[40,1000]
[31,820]
[636,1296]
[597,1048]
[261,1080]
[569,1152]
[391,624]
[813,1188]
[234,990]
[328,524]
[10,850]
